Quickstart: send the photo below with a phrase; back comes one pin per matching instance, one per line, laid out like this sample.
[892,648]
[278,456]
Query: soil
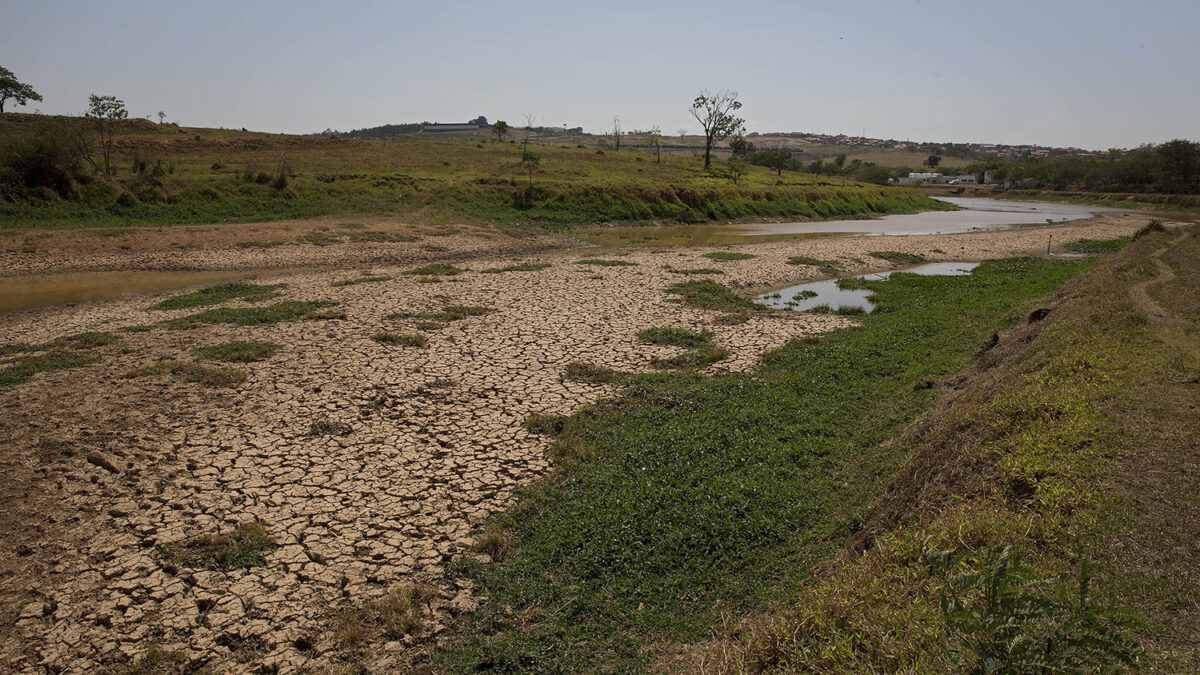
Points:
[103,470]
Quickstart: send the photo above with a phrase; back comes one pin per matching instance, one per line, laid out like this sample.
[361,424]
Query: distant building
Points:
[474,125]
[963,179]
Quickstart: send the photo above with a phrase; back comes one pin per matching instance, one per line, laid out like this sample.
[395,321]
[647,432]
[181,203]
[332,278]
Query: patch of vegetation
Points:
[192,372]
[828,267]
[587,372]
[260,244]
[437,270]
[401,339]
[19,370]
[495,541]
[899,258]
[154,661]
[239,352]
[521,267]
[844,310]
[328,427]
[1097,246]
[240,548]
[727,255]
[1149,228]
[692,359]
[448,313]
[600,262]
[731,319]
[711,295]
[708,495]
[679,337]
[289,310]
[697,270]
[364,279]
[214,295]
[393,616]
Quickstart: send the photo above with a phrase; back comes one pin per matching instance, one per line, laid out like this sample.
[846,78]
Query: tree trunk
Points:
[708,143]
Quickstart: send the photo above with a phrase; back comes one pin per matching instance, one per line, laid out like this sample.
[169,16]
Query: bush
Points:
[36,163]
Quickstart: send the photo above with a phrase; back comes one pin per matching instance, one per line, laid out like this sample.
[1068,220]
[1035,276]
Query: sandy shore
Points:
[432,438]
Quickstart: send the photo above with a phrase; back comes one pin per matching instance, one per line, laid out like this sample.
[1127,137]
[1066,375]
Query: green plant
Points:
[437,269]
[899,258]
[1000,620]
[521,267]
[679,337]
[289,310]
[364,279]
[1097,246]
[727,255]
[192,372]
[242,547]
[604,263]
[692,359]
[711,295]
[239,352]
[587,372]
[1152,226]
[214,295]
[402,339]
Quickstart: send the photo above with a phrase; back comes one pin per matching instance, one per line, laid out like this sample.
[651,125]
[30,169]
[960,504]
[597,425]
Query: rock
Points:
[103,461]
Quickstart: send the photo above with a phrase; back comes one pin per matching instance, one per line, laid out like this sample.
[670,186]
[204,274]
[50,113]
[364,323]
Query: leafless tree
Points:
[616,128]
[654,137]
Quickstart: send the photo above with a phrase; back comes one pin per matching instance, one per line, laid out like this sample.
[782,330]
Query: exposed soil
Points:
[370,464]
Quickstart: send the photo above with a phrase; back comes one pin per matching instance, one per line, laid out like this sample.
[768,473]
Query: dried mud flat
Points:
[370,464]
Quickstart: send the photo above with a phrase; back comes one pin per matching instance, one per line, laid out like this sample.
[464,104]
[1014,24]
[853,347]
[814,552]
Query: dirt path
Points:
[1140,292]
[369,464]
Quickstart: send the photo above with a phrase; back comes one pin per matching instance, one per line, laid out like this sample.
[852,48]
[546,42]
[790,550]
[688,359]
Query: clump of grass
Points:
[710,295]
[604,263]
[692,359]
[364,279]
[239,352]
[806,294]
[587,372]
[192,372]
[728,255]
[214,295]
[241,547]
[319,238]
[380,237]
[521,267]
[351,226]
[21,369]
[260,244]
[290,310]
[402,339]
[1097,246]
[844,310]
[495,541]
[328,427]
[545,425]
[827,267]
[679,337]
[899,258]
[437,270]
[697,270]
[325,315]
[449,313]
[443,232]
[395,615]
[1152,226]
[154,661]
[731,319]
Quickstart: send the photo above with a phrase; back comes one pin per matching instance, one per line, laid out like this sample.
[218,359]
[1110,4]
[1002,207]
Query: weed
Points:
[828,267]
[679,337]
[731,319]
[587,372]
[604,263]
[242,547]
[545,425]
[381,237]
[21,369]
[402,339]
[328,427]
[711,295]
[449,313]
[436,270]
[495,541]
[214,295]
[393,616]
[521,267]
[192,372]
[899,258]
[290,310]
[364,279]
[698,270]
[260,244]
[1097,246]
[727,255]
[239,352]
[692,359]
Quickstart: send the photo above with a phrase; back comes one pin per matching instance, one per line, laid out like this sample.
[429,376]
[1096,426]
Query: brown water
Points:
[41,291]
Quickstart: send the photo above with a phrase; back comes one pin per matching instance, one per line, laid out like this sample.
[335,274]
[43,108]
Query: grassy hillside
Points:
[167,174]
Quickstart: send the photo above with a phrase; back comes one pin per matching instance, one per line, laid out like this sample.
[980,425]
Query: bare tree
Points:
[617,133]
[715,113]
[528,130]
[682,132]
[654,137]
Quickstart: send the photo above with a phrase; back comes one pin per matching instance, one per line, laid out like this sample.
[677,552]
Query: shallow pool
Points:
[807,296]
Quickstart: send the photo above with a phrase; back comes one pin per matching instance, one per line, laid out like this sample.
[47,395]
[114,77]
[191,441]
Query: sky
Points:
[1094,74]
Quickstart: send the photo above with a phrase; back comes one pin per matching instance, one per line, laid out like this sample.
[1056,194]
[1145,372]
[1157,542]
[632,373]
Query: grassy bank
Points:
[690,498]
[166,175]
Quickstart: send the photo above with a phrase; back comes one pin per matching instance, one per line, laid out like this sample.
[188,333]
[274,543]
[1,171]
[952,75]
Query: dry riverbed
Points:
[370,464]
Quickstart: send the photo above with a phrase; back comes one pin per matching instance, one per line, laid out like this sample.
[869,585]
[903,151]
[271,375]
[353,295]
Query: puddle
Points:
[19,293]
[975,215]
[806,296]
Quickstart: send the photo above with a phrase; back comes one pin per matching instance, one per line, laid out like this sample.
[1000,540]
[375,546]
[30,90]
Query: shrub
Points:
[39,162]
[727,255]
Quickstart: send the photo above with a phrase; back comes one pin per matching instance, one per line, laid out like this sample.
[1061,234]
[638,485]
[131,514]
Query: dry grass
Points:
[192,372]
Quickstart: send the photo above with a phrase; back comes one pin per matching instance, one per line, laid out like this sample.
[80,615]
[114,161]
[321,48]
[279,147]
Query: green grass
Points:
[600,262]
[695,270]
[192,372]
[239,352]
[1097,246]
[364,279]
[215,295]
[692,359]
[711,295]
[708,493]
[828,267]
[899,258]
[25,367]
[437,270]
[240,548]
[679,337]
[289,310]
[726,255]
[521,267]
[587,372]
[401,339]
[448,313]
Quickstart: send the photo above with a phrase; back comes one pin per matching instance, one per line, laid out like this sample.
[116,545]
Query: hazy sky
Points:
[1095,74]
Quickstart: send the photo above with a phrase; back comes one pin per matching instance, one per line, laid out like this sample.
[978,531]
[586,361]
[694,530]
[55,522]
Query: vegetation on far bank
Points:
[162,174]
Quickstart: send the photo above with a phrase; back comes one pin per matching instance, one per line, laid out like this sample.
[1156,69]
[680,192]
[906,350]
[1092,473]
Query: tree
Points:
[11,87]
[715,113]
[779,159]
[933,161]
[654,137]
[740,147]
[616,133]
[500,130]
[530,161]
[528,131]
[162,117]
[102,114]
